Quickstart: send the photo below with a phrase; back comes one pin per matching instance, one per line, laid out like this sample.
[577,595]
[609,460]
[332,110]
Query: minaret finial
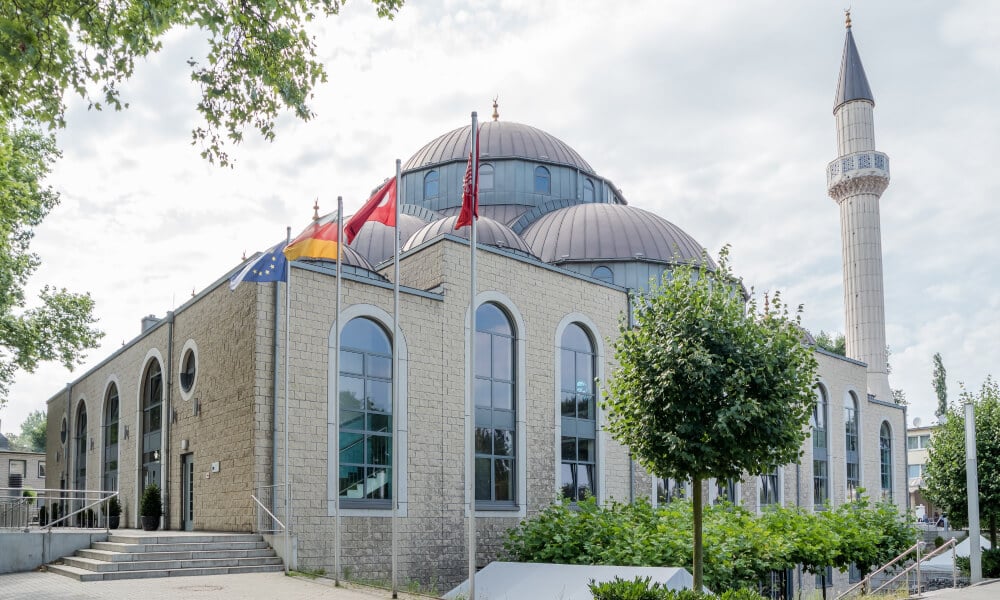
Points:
[192,292]
[847,16]
[496,112]
[244,255]
[316,210]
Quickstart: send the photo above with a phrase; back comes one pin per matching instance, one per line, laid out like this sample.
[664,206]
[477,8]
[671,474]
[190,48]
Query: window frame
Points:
[821,448]
[432,178]
[542,174]
[886,480]
[497,415]
[487,177]
[575,420]
[109,477]
[852,407]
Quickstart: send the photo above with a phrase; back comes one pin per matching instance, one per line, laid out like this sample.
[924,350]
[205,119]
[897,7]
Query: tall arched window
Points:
[110,458]
[821,473]
[543,181]
[851,445]
[588,190]
[80,446]
[365,414]
[431,185]
[485,176]
[496,407]
[885,458]
[152,403]
[579,414]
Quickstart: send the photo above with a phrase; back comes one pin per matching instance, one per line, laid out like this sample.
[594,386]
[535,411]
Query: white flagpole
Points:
[336,400]
[395,388]
[470,423]
[288,321]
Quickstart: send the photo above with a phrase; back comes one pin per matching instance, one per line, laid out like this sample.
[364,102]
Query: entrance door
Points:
[187,492]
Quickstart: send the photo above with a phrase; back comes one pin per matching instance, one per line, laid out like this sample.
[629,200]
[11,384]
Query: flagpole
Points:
[470,456]
[336,401]
[395,387]
[288,489]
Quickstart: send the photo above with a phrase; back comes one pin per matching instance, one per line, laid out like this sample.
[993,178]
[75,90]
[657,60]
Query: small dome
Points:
[374,239]
[498,139]
[488,232]
[352,258]
[609,232]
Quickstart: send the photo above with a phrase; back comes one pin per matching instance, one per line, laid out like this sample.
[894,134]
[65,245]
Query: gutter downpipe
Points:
[165,471]
[274,397]
[906,463]
[47,543]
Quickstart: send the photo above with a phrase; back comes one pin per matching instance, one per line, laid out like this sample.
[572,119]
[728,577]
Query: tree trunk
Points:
[824,584]
[696,500]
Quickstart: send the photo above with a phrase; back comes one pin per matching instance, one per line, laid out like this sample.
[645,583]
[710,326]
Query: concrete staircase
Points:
[164,555]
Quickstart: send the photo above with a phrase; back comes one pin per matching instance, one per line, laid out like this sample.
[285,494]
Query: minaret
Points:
[856,180]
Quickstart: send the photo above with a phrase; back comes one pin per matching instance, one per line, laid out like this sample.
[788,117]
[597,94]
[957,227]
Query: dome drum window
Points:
[485,177]
[543,181]
[431,185]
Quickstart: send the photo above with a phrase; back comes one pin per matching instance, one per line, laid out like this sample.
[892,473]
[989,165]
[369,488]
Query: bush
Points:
[938,542]
[30,494]
[151,505]
[641,589]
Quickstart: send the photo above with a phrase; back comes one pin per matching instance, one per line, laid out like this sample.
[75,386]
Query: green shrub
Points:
[962,562]
[30,494]
[991,563]
[939,541]
[623,589]
[151,505]
[114,507]
[741,594]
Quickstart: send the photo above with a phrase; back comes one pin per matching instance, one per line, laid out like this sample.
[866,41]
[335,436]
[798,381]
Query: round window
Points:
[62,432]
[188,370]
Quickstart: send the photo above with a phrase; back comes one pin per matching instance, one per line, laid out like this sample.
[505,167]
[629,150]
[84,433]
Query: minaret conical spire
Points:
[853,84]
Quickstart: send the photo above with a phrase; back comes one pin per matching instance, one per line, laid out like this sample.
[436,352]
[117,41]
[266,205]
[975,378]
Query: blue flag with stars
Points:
[269,266]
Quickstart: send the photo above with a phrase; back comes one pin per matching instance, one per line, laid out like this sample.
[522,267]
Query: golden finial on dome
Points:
[496,113]
[847,15]
[244,255]
[316,210]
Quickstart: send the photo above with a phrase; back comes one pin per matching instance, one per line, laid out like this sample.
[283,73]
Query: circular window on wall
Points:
[188,374]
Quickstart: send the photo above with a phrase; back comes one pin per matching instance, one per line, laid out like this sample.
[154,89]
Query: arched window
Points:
[851,445]
[431,185]
[821,473]
[80,444]
[543,181]
[485,176]
[365,414]
[152,403]
[588,190]
[604,274]
[579,414]
[496,407]
[110,459]
[885,458]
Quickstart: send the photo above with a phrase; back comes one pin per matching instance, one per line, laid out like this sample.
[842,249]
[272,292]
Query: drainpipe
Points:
[274,397]
[906,464]
[166,458]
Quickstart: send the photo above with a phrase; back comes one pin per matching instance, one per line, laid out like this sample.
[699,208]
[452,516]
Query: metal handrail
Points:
[269,513]
[864,584]
[103,500]
[954,574]
[50,496]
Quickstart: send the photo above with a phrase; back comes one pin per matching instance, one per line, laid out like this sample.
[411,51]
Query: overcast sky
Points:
[715,115]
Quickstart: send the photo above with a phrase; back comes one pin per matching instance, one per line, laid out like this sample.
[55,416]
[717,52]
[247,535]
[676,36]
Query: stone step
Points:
[178,547]
[166,565]
[114,556]
[85,575]
[166,538]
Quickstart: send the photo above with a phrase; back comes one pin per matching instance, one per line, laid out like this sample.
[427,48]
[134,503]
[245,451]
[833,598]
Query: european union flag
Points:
[269,266]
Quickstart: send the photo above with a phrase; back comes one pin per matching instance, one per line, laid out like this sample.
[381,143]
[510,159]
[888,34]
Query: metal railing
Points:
[265,520]
[865,585]
[49,508]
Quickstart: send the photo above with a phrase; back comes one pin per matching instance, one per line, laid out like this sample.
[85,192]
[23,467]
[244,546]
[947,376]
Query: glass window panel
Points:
[491,319]
[604,274]
[379,366]
[585,481]
[585,373]
[486,177]
[379,450]
[483,479]
[365,335]
[352,449]
[379,422]
[351,419]
[352,481]
[569,449]
[566,481]
[911,442]
[352,393]
[484,440]
[380,396]
[585,406]
[377,482]
[484,355]
[576,339]
[542,182]
[588,191]
[431,185]
[567,377]
[482,393]
[503,442]
[503,482]
[569,405]
[352,362]
[502,358]
[586,450]
[154,419]
[503,395]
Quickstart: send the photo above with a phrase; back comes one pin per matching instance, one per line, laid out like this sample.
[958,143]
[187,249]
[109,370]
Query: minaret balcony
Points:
[859,164]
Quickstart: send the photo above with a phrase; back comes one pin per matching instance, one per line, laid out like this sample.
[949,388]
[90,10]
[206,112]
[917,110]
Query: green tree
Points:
[709,386]
[832,342]
[940,386]
[261,60]
[60,326]
[945,475]
[33,431]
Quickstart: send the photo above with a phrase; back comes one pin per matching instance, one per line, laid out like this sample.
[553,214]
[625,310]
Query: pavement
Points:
[249,586]
[989,590]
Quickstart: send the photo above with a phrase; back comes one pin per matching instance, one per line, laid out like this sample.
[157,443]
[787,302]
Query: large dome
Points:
[374,240]
[497,140]
[488,232]
[609,232]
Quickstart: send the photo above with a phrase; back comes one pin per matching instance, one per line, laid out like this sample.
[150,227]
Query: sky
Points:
[715,115]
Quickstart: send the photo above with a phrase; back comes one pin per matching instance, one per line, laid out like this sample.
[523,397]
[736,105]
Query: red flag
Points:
[470,193]
[381,207]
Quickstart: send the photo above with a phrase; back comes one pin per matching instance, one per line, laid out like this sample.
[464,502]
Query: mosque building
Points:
[195,402]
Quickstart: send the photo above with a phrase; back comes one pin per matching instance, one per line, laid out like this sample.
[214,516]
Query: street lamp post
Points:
[972,483]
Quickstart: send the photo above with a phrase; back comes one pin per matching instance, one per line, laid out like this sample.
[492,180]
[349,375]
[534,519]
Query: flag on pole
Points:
[269,266]
[470,190]
[381,207]
[318,240]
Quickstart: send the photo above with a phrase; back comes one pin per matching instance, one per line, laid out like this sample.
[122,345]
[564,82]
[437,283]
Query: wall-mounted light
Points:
[173,415]
[195,407]
[91,443]
[125,433]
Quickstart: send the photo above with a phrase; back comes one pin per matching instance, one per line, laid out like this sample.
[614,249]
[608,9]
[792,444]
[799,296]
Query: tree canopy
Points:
[260,61]
[33,430]
[945,475]
[832,342]
[940,385]
[708,385]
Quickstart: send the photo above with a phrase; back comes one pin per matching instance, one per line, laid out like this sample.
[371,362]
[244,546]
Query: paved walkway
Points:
[249,586]
[984,591]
